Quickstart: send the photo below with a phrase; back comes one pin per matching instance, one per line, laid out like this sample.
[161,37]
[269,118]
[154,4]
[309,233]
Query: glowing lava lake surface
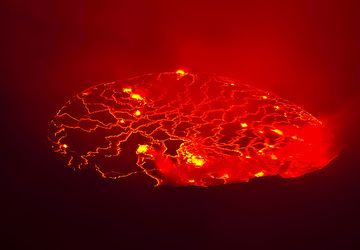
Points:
[181,128]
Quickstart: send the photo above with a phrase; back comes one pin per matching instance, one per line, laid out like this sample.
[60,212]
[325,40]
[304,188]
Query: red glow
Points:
[188,129]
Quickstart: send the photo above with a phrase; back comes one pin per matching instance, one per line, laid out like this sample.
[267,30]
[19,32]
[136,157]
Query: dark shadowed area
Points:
[305,51]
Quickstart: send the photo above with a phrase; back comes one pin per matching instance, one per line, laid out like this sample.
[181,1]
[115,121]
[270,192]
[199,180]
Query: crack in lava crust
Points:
[187,129]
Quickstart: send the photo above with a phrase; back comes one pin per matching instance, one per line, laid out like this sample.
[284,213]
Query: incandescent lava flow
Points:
[188,129]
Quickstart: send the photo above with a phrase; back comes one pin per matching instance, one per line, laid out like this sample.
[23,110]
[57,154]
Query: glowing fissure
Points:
[187,129]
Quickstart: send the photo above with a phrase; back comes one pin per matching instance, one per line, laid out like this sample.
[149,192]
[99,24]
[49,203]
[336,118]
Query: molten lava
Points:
[188,129]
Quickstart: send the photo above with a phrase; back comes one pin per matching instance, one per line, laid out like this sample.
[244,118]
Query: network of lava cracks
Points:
[187,129]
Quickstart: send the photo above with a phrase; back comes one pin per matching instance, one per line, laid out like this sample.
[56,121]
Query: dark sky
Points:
[305,51]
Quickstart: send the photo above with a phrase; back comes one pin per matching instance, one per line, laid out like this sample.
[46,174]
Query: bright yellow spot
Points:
[136,97]
[277,131]
[243,125]
[232,84]
[191,181]
[194,159]
[248,157]
[65,146]
[180,72]
[264,97]
[273,157]
[259,174]
[142,149]
[122,121]
[127,90]
[261,132]
[137,113]
[276,107]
